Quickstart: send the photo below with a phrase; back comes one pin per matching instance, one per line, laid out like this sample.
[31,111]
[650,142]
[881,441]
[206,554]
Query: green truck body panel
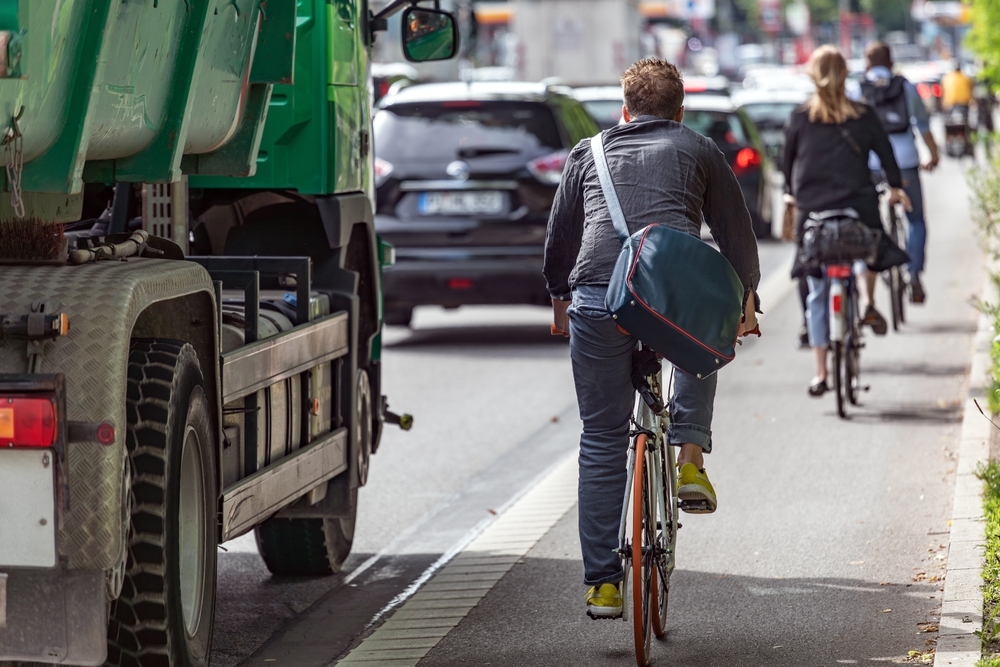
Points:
[127,88]
[317,137]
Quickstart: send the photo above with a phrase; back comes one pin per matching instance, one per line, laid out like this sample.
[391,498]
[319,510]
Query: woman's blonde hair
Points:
[829,104]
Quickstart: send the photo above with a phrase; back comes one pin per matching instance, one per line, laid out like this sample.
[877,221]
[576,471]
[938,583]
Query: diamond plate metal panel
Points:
[103,301]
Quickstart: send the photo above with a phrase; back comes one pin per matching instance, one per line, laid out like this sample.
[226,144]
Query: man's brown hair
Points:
[653,87]
[877,54]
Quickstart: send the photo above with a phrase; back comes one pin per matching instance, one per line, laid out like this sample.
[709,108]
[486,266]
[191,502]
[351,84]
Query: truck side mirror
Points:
[429,34]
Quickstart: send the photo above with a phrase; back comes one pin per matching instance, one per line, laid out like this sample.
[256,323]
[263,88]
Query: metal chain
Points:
[13,153]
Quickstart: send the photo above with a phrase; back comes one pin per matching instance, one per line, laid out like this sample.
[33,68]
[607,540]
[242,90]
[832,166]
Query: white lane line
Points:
[454,588]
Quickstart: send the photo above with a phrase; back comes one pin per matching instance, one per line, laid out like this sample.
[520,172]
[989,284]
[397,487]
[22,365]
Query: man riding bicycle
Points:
[901,110]
[663,173]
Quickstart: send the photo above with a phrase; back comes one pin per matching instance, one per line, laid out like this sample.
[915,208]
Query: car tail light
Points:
[936,89]
[549,168]
[460,283]
[924,90]
[462,104]
[695,88]
[28,421]
[382,171]
[836,303]
[745,159]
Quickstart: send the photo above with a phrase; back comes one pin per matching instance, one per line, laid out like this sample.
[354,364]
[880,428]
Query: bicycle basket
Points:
[838,236]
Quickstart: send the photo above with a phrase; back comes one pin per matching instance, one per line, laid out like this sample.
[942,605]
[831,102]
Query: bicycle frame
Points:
[661,460]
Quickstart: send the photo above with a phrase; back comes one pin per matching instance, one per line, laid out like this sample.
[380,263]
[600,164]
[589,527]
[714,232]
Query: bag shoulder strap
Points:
[608,187]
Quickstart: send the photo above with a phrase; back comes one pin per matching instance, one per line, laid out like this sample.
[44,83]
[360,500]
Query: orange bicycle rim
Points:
[638,590]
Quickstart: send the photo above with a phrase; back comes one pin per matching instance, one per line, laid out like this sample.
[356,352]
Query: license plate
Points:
[27,508]
[482,202]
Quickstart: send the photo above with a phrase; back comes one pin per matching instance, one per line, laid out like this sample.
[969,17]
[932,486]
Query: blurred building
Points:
[582,42]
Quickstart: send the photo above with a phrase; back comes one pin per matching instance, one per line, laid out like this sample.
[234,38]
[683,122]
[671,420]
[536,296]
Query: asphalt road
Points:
[823,549]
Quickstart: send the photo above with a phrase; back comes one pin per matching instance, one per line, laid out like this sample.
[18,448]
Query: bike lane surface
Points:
[831,535]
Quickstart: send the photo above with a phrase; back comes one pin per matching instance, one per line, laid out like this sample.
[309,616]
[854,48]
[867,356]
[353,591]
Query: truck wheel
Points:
[308,547]
[363,432]
[165,612]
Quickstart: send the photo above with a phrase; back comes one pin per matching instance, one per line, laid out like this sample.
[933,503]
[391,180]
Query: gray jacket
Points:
[663,173]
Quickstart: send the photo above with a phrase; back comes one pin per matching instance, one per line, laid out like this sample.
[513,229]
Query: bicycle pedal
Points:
[696,506]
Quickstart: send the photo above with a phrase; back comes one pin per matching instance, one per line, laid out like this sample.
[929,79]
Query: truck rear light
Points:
[836,303]
[382,171]
[28,421]
[549,168]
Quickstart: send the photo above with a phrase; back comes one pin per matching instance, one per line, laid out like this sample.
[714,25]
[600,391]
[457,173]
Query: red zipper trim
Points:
[647,307]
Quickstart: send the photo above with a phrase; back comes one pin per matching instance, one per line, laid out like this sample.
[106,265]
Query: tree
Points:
[984,36]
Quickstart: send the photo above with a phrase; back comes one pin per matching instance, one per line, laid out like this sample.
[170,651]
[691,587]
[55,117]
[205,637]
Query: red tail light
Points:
[549,168]
[924,90]
[382,171]
[745,159]
[836,303]
[460,283]
[28,421]
[936,89]
[838,271]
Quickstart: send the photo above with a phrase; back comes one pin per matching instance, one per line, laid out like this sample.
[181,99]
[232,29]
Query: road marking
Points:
[454,588]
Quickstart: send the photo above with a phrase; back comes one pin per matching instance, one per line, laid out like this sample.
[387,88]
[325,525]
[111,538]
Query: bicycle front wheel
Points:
[643,565]
[896,291]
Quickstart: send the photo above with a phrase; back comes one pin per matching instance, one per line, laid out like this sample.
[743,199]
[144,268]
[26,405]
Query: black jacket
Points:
[663,173]
[826,165]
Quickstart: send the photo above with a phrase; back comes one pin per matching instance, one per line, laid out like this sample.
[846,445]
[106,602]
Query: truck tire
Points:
[308,547]
[165,612]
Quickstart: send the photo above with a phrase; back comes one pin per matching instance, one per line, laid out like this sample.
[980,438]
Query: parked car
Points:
[717,117]
[465,176]
[770,110]
[604,103]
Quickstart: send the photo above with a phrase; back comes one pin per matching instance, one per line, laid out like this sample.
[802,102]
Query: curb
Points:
[962,605]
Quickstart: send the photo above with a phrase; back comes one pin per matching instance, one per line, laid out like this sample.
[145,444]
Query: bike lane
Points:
[831,535]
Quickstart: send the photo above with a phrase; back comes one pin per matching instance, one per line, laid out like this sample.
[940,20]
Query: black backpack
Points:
[890,103]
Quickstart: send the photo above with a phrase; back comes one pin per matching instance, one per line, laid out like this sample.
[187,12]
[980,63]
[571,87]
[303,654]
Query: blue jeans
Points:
[602,369]
[916,240]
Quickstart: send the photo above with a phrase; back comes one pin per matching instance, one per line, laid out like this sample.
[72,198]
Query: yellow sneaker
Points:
[695,491]
[604,601]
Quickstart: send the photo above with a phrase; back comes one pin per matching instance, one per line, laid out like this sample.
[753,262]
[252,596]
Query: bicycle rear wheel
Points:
[838,378]
[852,367]
[643,567]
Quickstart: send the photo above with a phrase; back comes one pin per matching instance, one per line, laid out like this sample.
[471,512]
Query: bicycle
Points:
[648,534]
[845,335]
[894,276]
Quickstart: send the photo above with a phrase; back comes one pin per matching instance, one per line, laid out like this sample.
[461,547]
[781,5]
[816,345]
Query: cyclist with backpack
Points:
[901,110]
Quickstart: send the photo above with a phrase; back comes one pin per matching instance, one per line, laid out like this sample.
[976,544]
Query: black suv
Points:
[465,176]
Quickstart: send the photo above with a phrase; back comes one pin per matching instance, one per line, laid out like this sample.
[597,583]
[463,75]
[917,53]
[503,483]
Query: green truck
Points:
[190,307]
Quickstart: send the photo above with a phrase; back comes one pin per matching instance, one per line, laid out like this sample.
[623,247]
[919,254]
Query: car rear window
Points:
[606,112]
[463,129]
[721,127]
[770,114]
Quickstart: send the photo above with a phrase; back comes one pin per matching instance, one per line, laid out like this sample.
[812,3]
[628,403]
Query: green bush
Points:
[990,474]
